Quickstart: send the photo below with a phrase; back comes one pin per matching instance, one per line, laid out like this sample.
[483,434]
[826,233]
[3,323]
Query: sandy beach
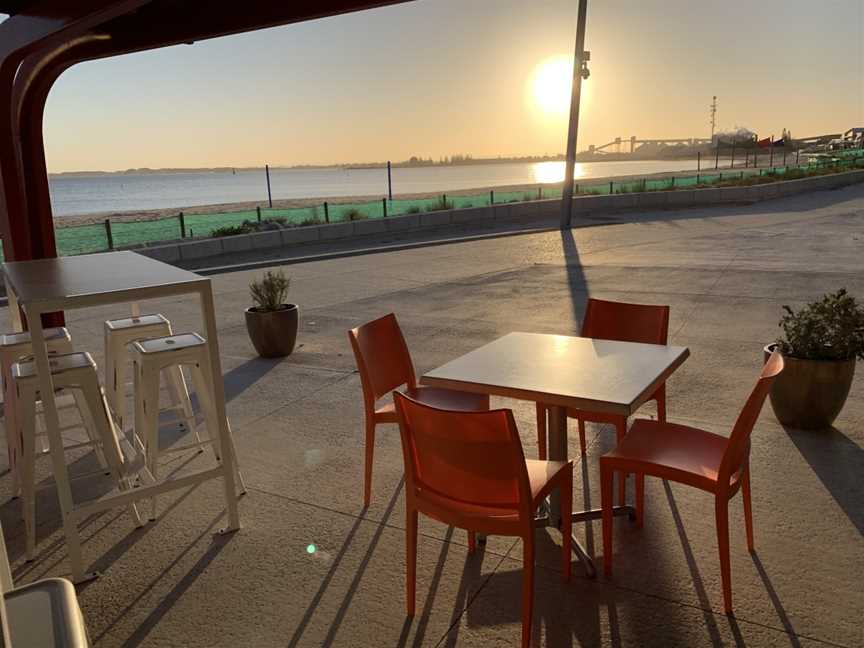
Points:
[156,214]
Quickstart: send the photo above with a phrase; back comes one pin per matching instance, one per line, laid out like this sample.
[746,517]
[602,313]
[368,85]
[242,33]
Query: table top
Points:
[53,282]
[584,373]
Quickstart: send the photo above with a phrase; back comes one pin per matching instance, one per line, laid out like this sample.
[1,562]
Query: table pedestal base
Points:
[545,520]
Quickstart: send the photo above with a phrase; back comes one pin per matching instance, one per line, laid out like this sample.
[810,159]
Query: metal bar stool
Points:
[119,333]
[150,358]
[75,372]
[14,347]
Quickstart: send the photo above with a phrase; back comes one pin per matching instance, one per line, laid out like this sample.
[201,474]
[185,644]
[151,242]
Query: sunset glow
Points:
[551,83]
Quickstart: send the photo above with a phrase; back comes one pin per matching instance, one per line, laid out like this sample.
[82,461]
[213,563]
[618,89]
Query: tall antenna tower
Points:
[713,112]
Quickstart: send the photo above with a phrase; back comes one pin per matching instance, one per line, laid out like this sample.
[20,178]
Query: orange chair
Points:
[467,469]
[385,364]
[690,456]
[609,320]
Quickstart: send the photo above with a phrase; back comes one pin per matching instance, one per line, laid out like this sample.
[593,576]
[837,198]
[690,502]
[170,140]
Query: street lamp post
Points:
[580,72]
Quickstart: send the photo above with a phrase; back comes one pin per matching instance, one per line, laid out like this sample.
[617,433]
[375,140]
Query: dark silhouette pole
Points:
[580,71]
[389,181]
[269,195]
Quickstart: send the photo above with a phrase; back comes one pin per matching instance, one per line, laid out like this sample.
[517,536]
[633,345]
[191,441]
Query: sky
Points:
[435,78]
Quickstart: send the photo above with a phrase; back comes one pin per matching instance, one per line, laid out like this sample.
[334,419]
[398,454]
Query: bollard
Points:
[491,196]
[672,185]
[258,211]
[108,234]
[326,213]
[182,226]
[384,205]
[611,188]
[540,192]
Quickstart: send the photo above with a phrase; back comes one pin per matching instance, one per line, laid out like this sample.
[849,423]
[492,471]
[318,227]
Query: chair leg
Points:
[541,432]
[370,453]
[472,542]
[582,445]
[606,474]
[411,562]
[721,512]
[527,587]
[620,431]
[748,509]
[567,526]
[640,500]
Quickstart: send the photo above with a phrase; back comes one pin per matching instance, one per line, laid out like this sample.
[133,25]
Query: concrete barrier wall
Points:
[529,211]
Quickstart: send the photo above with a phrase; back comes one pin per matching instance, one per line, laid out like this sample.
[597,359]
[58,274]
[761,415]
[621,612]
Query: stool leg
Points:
[104,430]
[89,425]
[202,377]
[116,380]
[10,423]
[27,433]
[147,420]
[180,397]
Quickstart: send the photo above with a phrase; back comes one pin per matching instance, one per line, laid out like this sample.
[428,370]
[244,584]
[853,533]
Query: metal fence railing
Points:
[99,237]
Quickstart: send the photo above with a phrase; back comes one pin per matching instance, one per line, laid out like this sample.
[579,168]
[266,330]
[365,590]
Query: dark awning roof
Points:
[167,22]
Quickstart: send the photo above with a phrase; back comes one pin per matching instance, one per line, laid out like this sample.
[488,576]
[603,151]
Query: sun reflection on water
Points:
[552,172]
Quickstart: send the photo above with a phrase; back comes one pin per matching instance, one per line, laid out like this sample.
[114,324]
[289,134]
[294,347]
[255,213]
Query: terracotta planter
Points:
[809,394]
[273,333]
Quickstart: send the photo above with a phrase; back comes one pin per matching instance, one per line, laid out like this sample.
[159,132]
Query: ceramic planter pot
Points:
[809,394]
[273,333]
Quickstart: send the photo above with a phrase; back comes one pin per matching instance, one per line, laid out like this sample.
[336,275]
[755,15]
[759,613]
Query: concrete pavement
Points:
[310,567]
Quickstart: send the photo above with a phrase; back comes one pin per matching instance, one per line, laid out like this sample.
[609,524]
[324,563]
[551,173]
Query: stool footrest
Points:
[186,446]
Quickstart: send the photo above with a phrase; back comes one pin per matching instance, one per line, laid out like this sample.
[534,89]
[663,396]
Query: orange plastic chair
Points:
[467,469]
[385,364]
[622,322]
[694,457]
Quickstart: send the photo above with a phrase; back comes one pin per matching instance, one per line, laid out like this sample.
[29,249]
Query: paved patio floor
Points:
[310,567]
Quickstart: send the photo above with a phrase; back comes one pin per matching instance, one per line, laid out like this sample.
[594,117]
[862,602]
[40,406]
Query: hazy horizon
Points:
[435,78]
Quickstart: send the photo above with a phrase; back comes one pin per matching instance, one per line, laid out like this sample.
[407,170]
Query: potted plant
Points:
[272,323]
[820,343]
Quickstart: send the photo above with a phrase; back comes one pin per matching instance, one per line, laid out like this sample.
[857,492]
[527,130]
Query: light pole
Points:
[580,71]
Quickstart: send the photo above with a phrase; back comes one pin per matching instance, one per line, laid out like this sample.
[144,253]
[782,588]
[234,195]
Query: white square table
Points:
[49,285]
[564,372]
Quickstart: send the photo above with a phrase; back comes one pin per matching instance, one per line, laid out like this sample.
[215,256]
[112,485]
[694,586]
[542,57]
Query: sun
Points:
[551,83]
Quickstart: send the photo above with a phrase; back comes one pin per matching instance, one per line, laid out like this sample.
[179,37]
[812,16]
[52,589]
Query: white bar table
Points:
[49,285]
[564,372]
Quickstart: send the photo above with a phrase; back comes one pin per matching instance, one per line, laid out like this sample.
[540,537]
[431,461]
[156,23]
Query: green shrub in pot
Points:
[821,342]
[271,322]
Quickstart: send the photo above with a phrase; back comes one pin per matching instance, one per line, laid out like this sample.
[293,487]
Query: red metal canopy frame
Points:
[40,40]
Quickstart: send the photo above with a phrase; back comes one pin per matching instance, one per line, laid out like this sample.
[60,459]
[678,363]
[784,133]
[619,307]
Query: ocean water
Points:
[112,193]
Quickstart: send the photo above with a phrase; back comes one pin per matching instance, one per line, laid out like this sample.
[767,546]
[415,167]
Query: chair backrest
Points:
[467,458]
[382,357]
[623,322]
[739,440]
